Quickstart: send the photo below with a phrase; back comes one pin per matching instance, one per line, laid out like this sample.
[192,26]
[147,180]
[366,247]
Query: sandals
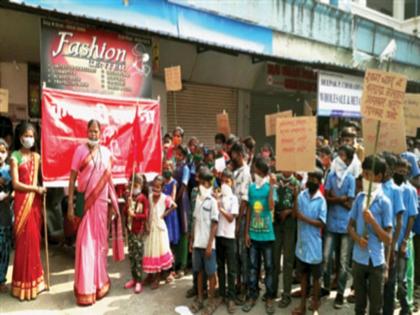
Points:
[231,307]
[285,301]
[196,306]
[298,311]
[248,306]
[210,308]
[269,307]
[155,285]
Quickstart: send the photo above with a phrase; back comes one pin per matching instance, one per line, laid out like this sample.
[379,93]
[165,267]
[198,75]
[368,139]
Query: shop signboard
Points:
[339,95]
[89,60]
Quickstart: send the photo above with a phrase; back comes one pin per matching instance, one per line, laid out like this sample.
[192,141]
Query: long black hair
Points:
[20,129]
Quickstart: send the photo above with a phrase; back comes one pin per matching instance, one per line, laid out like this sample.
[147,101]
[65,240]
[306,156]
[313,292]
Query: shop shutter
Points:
[196,109]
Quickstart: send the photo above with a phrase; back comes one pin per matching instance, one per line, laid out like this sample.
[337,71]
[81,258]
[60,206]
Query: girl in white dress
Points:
[157,251]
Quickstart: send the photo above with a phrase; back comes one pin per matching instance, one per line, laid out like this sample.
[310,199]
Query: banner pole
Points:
[47,259]
[176,119]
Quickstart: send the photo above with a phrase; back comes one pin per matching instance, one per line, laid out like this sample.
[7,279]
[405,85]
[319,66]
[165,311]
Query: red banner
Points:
[64,126]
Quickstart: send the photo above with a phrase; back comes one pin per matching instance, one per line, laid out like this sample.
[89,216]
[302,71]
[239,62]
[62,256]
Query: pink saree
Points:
[91,280]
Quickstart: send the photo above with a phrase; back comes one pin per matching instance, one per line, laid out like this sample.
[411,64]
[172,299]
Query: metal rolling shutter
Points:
[197,106]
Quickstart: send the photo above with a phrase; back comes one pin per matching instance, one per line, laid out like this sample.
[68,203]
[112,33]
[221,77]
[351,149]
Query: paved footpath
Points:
[60,299]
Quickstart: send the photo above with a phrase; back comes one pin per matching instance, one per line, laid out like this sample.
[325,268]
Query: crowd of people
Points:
[225,211]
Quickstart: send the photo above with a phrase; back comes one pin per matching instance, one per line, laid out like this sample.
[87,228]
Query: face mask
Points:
[259,181]
[218,147]
[167,174]
[226,190]
[136,191]
[27,142]
[3,157]
[375,186]
[399,179]
[205,191]
[312,187]
[93,143]
[210,165]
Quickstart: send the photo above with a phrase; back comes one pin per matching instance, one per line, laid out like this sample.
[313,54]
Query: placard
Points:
[383,95]
[307,110]
[391,136]
[339,94]
[84,59]
[295,144]
[412,114]
[4,100]
[223,125]
[270,121]
[173,81]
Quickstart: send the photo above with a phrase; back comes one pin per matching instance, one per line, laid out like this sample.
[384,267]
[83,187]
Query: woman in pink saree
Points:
[91,166]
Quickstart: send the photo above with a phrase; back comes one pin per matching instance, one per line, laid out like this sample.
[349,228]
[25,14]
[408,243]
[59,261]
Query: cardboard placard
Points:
[223,125]
[412,114]
[391,136]
[295,144]
[270,121]
[4,101]
[383,95]
[173,81]
[307,110]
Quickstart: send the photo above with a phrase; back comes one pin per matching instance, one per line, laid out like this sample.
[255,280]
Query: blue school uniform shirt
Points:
[261,225]
[339,216]
[394,193]
[5,173]
[381,211]
[411,202]
[309,240]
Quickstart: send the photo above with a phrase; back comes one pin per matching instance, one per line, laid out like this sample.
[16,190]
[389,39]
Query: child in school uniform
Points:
[370,227]
[311,215]
[203,244]
[5,216]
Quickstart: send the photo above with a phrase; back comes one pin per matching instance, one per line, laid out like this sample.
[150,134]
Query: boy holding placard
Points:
[370,228]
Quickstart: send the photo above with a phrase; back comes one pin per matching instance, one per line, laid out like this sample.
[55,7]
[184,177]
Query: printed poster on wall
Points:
[339,95]
[84,59]
[412,114]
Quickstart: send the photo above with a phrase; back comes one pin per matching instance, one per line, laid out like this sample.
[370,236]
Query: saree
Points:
[91,280]
[28,275]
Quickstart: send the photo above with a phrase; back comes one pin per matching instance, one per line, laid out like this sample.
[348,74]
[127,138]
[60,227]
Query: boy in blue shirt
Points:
[394,193]
[311,215]
[403,254]
[340,190]
[259,234]
[370,228]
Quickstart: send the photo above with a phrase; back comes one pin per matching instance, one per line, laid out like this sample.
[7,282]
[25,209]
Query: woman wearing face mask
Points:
[28,275]
[91,166]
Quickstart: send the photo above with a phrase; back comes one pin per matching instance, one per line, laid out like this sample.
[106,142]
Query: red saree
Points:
[28,275]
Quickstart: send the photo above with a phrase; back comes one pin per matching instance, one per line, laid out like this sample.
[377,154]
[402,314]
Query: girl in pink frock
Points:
[157,251]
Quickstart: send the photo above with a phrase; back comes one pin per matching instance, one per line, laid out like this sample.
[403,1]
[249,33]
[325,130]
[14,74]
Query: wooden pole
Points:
[47,258]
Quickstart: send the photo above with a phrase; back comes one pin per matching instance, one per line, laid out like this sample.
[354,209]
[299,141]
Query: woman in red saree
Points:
[91,166]
[28,275]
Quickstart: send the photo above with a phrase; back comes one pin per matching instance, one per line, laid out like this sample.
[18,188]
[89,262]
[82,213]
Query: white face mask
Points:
[375,186]
[205,192]
[27,142]
[93,143]
[3,157]
[259,181]
[136,191]
[226,190]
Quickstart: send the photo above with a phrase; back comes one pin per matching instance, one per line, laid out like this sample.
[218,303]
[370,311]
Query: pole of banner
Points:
[47,257]
[375,148]
[175,116]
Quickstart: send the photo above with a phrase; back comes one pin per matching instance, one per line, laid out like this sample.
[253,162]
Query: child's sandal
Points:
[196,306]
[155,285]
[210,308]
[298,311]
